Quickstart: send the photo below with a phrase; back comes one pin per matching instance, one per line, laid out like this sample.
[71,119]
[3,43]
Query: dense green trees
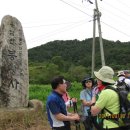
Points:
[72,59]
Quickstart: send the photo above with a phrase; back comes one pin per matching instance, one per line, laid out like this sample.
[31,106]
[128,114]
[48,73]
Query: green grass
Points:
[41,92]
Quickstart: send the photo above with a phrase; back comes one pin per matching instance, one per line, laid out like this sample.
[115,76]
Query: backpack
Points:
[120,83]
[123,91]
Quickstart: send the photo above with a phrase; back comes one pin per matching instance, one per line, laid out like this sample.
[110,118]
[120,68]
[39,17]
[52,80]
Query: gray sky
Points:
[48,20]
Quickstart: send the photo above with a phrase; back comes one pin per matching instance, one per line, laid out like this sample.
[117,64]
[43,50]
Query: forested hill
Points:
[117,54]
[72,59]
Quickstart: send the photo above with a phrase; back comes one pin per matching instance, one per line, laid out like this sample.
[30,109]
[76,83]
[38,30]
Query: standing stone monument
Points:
[14,77]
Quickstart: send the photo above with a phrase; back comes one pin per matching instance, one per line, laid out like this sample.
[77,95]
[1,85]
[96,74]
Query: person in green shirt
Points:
[107,100]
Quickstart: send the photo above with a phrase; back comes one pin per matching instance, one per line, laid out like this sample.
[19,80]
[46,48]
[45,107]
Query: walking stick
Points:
[77,123]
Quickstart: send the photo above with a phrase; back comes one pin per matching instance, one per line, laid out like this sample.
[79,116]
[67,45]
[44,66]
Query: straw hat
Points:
[105,74]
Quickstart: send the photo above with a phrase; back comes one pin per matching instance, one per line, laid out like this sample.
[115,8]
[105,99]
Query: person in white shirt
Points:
[122,78]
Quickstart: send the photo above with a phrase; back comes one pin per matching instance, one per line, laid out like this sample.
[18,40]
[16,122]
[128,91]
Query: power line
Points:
[115,29]
[53,33]
[116,8]
[112,13]
[61,23]
[122,3]
[40,38]
[52,24]
[76,22]
[80,5]
[57,31]
[71,6]
[75,8]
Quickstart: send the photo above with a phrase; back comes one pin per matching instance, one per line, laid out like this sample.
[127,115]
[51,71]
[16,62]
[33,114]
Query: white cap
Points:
[121,73]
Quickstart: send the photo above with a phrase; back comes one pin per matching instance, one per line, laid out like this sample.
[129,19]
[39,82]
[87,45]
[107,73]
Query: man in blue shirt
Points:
[56,109]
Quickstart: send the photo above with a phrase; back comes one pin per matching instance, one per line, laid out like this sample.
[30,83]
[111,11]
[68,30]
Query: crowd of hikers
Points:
[105,102]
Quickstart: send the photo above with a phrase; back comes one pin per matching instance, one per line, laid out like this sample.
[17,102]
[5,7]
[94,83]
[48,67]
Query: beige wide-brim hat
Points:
[105,74]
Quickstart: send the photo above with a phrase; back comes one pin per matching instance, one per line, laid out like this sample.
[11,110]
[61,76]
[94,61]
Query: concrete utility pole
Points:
[93,44]
[97,16]
[100,33]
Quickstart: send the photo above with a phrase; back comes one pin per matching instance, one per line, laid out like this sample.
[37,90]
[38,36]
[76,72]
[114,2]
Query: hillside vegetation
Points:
[72,58]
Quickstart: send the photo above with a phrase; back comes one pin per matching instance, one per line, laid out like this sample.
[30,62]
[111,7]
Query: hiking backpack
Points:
[120,83]
[123,90]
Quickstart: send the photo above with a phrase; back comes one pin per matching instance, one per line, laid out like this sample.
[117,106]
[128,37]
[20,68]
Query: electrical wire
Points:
[88,5]
[116,29]
[47,35]
[116,8]
[66,28]
[102,22]
[113,14]
[122,3]
[56,24]
[76,8]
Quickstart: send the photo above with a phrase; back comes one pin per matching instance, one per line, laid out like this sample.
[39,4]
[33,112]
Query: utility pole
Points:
[100,33]
[93,44]
[96,16]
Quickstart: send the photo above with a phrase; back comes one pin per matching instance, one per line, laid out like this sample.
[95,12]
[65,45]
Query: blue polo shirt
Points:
[55,105]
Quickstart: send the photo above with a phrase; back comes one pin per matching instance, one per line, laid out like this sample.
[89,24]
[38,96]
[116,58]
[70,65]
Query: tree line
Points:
[72,58]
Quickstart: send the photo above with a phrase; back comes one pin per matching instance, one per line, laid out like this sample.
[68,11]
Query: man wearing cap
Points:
[123,78]
[121,75]
[56,109]
[107,99]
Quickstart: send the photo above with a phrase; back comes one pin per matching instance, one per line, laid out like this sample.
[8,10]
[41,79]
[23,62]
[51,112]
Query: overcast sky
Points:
[48,20]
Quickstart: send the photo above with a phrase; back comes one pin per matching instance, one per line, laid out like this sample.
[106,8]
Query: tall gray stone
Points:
[14,80]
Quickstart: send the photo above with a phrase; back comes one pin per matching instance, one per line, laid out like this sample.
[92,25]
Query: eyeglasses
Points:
[88,81]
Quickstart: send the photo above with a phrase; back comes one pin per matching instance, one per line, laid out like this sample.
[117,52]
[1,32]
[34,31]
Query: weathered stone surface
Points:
[14,80]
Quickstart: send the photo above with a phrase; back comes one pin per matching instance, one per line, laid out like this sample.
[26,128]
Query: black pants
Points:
[60,128]
[88,123]
[97,125]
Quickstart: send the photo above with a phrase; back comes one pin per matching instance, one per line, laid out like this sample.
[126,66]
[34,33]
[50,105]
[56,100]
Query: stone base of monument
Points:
[22,118]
